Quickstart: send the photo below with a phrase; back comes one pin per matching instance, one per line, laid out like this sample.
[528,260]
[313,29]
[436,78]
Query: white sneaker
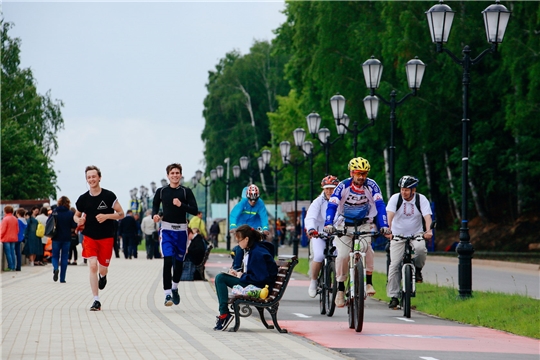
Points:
[312,291]
[370,290]
[340,299]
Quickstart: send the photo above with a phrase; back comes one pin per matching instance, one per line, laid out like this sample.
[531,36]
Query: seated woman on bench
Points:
[259,269]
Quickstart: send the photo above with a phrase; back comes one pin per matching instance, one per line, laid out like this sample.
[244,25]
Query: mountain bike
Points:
[355,287]
[408,272]
[327,282]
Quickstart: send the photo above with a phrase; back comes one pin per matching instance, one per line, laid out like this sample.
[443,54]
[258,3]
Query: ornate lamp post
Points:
[307,148]
[342,120]
[207,183]
[236,174]
[323,135]
[440,17]
[372,75]
[284,149]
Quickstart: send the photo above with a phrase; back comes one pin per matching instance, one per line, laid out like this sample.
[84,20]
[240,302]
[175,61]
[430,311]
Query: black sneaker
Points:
[168,300]
[394,303]
[55,275]
[175,297]
[418,275]
[96,306]
[102,282]
[222,324]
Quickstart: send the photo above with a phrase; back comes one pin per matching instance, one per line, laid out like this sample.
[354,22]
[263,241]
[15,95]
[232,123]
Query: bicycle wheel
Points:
[407,292]
[350,311]
[331,288]
[359,296]
[322,286]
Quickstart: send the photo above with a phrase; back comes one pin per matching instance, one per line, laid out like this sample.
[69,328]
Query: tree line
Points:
[256,100]
[30,122]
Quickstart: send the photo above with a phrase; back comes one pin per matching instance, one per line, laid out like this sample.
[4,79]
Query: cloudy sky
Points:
[132,78]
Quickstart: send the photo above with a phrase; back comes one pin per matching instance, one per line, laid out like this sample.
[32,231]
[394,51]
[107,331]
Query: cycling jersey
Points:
[316,214]
[254,216]
[357,203]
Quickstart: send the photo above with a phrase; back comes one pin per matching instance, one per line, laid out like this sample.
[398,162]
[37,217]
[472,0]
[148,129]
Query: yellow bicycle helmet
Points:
[359,164]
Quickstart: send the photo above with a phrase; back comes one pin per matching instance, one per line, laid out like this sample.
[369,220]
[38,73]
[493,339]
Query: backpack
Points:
[400,202]
[40,230]
[50,225]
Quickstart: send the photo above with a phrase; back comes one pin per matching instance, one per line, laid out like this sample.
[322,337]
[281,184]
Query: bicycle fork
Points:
[413,278]
[354,257]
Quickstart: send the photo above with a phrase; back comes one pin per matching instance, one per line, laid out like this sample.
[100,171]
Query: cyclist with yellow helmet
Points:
[356,200]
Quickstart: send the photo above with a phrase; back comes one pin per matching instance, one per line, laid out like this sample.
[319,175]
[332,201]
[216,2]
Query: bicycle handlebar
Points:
[417,237]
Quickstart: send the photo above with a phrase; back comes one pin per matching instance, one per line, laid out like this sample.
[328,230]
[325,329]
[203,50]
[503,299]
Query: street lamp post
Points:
[284,148]
[323,135]
[342,120]
[372,75]
[287,160]
[440,17]
[307,148]
[236,174]
[207,183]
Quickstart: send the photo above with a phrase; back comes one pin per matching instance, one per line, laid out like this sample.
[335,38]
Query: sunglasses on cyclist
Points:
[360,173]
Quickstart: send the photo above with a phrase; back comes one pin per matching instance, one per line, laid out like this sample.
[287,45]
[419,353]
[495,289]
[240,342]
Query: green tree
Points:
[30,122]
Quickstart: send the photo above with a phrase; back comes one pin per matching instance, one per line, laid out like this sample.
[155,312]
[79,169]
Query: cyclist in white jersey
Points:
[314,222]
[356,200]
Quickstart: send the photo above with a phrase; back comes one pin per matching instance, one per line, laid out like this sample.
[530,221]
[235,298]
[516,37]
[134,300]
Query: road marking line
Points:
[428,358]
[302,315]
[405,319]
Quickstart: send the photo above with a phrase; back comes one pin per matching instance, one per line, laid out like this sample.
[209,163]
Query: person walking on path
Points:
[259,269]
[33,246]
[406,210]
[214,233]
[97,211]
[197,222]
[21,218]
[177,202]
[61,241]
[148,228]
[128,230]
[9,235]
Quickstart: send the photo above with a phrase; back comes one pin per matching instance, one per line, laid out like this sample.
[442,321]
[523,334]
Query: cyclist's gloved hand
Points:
[385,231]
[329,229]
[312,233]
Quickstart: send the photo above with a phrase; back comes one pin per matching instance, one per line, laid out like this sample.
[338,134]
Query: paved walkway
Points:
[42,319]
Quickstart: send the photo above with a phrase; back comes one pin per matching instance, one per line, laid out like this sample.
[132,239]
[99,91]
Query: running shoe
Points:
[223,323]
[340,299]
[168,300]
[96,306]
[102,282]
[370,290]
[175,297]
[312,290]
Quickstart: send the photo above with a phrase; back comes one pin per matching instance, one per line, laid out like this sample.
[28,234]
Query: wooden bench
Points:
[240,304]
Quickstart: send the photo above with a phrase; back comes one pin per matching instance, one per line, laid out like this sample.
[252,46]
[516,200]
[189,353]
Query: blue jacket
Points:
[64,224]
[245,214]
[261,267]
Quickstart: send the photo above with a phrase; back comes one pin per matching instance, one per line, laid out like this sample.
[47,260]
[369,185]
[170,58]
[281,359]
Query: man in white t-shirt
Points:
[405,218]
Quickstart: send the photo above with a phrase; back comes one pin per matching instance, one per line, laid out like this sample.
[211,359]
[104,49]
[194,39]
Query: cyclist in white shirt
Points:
[314,222]
[406,210]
